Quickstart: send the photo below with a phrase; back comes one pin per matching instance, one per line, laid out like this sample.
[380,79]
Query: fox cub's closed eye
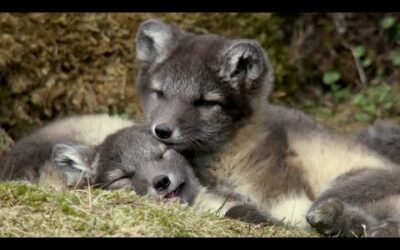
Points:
[125,175]
[206,103]
[158,93]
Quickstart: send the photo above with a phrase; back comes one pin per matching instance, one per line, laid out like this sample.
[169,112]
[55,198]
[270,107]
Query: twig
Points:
[360,70]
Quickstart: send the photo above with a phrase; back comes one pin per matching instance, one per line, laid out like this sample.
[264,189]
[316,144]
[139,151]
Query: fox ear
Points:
[73,161]
[244,63]
[154,41]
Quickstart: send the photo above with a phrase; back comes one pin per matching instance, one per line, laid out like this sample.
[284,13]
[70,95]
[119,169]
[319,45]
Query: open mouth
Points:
[174,195]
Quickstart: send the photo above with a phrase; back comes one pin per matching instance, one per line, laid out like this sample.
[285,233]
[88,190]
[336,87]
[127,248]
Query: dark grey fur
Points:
[27,157]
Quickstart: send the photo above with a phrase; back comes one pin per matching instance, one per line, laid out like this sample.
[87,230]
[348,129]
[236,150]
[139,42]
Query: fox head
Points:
[129,158]
[197,89]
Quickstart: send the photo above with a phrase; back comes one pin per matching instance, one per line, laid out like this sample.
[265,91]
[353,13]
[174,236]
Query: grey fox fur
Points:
[206,96]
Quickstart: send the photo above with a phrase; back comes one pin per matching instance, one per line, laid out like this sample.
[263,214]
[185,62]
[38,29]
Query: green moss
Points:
[114,213]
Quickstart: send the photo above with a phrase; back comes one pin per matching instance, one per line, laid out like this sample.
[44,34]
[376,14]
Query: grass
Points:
[40,211]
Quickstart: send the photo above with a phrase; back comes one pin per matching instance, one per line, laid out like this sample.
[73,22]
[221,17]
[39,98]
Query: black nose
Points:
[161,182]
[162,131]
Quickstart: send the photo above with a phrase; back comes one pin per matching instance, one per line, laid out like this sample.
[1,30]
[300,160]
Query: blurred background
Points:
[342,69]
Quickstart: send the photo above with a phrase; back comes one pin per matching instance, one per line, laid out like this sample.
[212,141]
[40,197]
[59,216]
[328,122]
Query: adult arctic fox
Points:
[111,153]
[206,96]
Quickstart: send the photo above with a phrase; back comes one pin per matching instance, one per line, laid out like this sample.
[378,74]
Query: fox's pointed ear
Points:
[73,161]
[154,41]
[245,65]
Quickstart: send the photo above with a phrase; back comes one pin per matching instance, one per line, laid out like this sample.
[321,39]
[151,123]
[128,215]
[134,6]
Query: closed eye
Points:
[207,103]
[158,93]
[122,177]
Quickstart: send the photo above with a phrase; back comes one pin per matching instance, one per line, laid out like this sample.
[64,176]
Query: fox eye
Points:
[157,93]
[123,181]
[129,174]
[126,175]
[206,103]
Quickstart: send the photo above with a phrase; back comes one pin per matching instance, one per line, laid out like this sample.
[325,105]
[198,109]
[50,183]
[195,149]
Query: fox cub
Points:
[206,97]
[112,153]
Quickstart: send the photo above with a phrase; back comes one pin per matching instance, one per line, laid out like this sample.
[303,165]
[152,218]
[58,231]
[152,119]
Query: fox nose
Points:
[161,182]
[163,131]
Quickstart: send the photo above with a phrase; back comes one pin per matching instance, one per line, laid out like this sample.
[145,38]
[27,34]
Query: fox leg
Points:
[351,206]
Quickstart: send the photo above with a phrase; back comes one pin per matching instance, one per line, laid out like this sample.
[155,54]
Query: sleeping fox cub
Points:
[112,153]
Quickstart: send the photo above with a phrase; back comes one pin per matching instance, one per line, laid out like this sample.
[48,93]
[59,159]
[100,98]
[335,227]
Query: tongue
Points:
[173,200]
[172,196]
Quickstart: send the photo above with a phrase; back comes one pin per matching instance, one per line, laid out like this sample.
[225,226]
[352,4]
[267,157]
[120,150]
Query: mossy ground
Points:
[33,211]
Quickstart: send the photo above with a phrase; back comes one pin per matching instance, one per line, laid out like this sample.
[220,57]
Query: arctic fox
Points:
[112,153]
[206,96]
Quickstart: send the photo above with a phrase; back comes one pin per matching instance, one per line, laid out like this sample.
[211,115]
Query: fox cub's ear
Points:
[154,41]
[73,161]
[243,63]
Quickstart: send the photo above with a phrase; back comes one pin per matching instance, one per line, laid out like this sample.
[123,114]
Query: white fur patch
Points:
[167,154]
[162,147]
[156,85]
[88,129]
[153,130]
[292,209]
[61,152]
[241,49]
[324,157]
[176,135]
[210,202]
[161,39]
[213,96]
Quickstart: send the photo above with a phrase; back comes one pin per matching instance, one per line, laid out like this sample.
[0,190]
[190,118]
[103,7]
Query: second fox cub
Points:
[206,96]
[112,153]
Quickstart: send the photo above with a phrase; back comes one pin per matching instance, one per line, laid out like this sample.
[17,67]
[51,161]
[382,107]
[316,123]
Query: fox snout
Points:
[161,182]
[163,131]
[166,132]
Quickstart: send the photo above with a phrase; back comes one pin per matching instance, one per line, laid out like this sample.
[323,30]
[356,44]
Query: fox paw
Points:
[326,216]
[248,213]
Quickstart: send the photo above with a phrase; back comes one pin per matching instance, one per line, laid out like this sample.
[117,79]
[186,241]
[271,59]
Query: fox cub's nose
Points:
[162,131]
[161,182]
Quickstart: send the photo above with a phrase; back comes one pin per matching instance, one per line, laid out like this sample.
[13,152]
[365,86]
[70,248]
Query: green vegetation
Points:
[32,211]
